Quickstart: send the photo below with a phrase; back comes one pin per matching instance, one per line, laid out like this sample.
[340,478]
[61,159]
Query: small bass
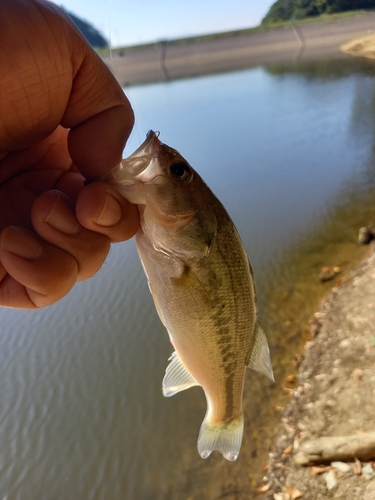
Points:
[202,284]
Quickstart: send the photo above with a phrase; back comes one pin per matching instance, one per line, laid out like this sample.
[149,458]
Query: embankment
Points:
[176,59]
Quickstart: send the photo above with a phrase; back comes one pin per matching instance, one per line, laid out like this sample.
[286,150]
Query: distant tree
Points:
[281,10]
[92,35]
[284,10]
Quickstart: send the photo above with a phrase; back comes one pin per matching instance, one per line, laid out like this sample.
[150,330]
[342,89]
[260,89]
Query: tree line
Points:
[285,10]
[92,35]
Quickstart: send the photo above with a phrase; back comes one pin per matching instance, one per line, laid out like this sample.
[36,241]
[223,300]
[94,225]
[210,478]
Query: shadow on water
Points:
[290,293]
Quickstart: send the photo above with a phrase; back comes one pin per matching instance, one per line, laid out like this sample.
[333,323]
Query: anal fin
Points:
[176,378]
[260,359]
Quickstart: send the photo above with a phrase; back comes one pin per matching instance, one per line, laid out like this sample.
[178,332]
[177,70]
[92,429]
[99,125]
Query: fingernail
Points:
[62,218]
[111,212]
[21,242]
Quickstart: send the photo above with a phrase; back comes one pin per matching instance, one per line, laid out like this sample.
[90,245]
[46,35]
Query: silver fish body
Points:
[202,285]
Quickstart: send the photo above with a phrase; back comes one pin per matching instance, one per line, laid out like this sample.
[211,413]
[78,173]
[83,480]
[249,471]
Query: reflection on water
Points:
[326,69]
[291,155]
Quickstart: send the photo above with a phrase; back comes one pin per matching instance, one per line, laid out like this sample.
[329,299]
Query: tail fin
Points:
[225,438]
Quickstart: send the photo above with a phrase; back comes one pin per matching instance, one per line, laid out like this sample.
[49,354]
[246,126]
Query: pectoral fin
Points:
[176,377]
[260,359]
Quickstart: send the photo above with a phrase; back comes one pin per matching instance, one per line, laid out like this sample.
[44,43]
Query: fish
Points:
[202,285]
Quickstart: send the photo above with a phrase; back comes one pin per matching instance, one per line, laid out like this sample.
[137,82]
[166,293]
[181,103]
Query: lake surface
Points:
[290,153]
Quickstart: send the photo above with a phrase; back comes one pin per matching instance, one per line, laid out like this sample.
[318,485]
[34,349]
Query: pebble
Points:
[341,466]
[306,375]
[320,315]
[331,480]
[357,374]
[327,273]
[344,344]
[368,471]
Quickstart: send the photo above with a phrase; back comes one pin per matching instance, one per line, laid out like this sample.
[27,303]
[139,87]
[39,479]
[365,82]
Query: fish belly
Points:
[208,310]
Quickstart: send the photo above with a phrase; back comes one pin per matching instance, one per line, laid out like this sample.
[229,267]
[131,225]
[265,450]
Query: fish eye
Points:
[180,171]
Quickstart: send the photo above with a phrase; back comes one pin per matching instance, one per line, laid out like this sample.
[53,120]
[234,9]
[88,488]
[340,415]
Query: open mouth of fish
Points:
[132,169]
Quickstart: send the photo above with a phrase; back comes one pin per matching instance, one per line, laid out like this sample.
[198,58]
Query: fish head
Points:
[177,214]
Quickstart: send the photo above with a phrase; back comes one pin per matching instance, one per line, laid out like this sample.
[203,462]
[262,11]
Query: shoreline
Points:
[324,445]
[172,60]
[333,397]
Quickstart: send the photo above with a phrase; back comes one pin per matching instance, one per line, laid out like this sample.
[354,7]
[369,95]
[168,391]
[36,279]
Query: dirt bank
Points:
[171,60]
[364,46]
[334,396]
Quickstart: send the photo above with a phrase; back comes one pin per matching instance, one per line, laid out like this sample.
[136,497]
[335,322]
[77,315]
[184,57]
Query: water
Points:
[289,151]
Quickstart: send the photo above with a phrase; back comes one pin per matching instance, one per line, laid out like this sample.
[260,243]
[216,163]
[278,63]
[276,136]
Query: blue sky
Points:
[140,21]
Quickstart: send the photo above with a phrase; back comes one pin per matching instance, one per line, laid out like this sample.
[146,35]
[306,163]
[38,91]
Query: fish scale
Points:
[202,285]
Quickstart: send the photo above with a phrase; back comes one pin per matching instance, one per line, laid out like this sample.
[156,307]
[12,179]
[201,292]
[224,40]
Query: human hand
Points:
[63,118]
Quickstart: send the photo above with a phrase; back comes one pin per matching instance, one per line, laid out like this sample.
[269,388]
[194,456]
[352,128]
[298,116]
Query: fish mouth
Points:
[137,162]
[127,172]
[148,146]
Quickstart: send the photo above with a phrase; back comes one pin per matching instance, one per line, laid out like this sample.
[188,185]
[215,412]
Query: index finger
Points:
[98,114]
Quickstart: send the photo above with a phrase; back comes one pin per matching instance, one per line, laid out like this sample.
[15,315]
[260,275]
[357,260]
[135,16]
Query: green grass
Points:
[322,19]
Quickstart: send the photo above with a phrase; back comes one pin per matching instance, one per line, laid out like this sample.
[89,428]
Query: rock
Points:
[328,273]
[336,448]
[357,374]
[290,380]
[368,471]
[344,344]
[331,480]
[365,235]
[341,466]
